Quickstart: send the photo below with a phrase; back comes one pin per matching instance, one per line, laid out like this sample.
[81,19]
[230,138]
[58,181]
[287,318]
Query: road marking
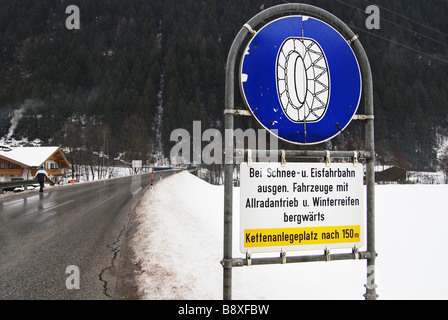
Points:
[57,206]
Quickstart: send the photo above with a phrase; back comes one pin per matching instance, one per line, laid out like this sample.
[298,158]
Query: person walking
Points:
[41,176]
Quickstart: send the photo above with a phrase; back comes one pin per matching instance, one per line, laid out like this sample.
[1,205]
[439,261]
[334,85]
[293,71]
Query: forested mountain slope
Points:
[139,68]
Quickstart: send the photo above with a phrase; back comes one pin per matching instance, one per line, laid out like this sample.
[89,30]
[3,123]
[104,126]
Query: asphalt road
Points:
[69,237]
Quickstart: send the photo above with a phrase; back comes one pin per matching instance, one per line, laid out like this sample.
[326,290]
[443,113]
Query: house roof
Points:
[30,156]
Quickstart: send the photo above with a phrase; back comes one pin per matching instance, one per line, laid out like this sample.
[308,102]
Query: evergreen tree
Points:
[127,52]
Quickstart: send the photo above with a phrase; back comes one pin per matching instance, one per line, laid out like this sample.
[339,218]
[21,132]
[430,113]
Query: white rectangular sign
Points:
[301,206]
[136,164]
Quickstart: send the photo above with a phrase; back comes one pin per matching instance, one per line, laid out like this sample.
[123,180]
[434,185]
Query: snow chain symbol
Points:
[303,80]
[300,76]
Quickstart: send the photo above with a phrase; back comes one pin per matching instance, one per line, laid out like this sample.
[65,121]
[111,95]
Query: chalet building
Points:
[391,175]
[23,162]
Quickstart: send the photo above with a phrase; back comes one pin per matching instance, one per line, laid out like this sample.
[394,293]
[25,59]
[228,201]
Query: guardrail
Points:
[10,185]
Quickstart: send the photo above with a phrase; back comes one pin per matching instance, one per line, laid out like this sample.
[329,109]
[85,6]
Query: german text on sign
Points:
[301,206]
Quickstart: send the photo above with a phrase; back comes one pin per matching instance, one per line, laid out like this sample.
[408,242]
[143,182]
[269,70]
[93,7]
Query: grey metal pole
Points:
[370,170]
[263,17]
[229,164]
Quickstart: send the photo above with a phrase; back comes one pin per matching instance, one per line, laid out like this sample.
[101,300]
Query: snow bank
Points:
[179,240]
[179,245]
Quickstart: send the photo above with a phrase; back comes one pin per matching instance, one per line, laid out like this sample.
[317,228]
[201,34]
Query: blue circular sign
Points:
[301,79]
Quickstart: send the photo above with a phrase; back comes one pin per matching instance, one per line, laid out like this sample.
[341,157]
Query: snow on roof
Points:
[29,156]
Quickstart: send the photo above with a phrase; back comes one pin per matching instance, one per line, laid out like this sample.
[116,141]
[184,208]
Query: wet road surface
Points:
[42,236]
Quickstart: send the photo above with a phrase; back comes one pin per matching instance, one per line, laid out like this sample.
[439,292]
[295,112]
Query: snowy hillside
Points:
[179,245]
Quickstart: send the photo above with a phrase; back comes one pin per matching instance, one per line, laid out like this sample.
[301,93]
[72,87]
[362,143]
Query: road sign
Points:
[137,164]
[299,76]
[301,206]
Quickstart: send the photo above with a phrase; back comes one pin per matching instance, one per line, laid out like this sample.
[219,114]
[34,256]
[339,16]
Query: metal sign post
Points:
[293,83]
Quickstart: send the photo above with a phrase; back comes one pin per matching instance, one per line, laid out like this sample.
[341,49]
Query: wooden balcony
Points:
[51,172]
[54,172]
[11,172]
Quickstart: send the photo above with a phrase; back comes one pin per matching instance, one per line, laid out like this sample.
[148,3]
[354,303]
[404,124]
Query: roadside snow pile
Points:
[179,239]
[178,245]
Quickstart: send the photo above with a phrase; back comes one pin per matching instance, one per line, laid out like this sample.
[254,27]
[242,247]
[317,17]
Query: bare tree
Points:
[72,139]
[135,138]
[443,163]
[96,143]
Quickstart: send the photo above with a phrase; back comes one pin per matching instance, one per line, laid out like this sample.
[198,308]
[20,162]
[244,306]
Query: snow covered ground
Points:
[179,245]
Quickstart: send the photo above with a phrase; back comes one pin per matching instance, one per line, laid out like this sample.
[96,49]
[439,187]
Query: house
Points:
[22,163]
[391,175]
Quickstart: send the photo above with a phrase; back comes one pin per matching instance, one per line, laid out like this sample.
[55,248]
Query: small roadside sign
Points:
[137,164]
